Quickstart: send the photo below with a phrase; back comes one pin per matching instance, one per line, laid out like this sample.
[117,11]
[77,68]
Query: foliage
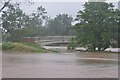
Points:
[72,44]
[7,45]
[18,25]
[98,25]
[60,25]
[12,18]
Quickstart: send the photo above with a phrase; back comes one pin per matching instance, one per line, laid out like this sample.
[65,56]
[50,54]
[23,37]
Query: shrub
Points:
[72,44]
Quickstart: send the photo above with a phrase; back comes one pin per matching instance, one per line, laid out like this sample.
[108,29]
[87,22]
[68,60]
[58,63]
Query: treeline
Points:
[97,26]
[16,24]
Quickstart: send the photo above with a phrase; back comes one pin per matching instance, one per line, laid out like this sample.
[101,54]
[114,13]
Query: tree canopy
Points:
[60,25]
[19,25]
[16,24]
[97,25]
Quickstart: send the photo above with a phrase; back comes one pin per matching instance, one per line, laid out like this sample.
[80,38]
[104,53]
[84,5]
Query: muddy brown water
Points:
[60,65]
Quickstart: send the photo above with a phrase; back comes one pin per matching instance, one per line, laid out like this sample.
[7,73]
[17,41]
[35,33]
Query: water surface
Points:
[60,65]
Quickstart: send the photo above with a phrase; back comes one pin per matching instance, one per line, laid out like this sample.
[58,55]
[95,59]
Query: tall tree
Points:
[98,25]
[60,25]
[35,22]
[18,25]
[12,18]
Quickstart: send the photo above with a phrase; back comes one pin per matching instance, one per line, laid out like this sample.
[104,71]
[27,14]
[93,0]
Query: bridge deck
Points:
[43,40]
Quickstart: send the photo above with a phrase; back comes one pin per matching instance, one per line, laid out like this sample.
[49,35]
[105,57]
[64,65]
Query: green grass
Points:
[7,46]
[35,45]
[24,46]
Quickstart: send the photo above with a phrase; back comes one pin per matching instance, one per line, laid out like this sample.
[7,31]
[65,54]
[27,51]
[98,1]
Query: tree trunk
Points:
[99,49]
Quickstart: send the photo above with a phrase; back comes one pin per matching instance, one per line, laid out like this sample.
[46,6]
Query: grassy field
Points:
[23,46]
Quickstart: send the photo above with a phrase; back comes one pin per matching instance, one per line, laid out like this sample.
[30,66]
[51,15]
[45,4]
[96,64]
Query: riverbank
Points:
[22,47]
[34,47]
[63,49]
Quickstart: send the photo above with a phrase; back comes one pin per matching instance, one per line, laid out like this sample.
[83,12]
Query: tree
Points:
[12,19]
[60,25]
[98,25]
[118,36]
[19,25]
[35,23]
[4,5]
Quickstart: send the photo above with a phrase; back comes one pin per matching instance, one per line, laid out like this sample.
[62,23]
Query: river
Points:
[60,65]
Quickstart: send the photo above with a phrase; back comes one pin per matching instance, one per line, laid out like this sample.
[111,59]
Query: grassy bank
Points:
[23,46]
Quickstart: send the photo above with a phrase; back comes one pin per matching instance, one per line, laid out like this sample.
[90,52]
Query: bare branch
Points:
[5,4]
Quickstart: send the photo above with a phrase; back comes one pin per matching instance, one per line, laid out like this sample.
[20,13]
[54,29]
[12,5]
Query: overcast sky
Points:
[54,8]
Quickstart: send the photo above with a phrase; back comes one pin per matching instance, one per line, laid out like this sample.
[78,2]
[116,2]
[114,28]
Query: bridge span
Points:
[44,40]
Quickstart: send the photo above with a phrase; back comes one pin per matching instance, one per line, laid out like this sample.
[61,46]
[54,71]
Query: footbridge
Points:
[45,40]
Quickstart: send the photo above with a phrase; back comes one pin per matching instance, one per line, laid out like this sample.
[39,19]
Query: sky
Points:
[55,8]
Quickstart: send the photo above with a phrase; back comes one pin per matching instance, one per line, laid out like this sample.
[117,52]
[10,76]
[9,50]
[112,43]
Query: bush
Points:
[72,44]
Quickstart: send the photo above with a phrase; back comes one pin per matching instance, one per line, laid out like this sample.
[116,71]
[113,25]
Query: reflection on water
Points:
[73,59]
